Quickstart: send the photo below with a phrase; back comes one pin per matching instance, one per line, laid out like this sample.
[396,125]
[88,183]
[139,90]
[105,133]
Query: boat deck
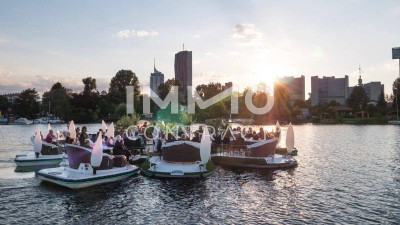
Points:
[168,167]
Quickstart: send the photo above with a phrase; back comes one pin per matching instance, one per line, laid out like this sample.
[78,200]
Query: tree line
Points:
[90,105]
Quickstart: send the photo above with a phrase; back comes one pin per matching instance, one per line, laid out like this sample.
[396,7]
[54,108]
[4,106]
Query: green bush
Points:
[126,121]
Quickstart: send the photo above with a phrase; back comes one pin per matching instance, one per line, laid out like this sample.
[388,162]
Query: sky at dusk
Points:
[246,42]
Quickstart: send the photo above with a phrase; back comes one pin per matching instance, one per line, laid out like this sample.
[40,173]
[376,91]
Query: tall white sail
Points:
[278,126]
[48,127]
[72,130]
[37,143]
[97,153]
[111,131]
[205,146]
[103,126]
[290,138]
[278,129]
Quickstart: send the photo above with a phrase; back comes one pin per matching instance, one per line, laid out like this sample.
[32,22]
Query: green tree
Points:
[207,91]
[86,104]
[120,110]
[26,105]
[89,85]
[166,87]
[58,100]
[358,99]
[382,104]
[396,93]
[4,104]
[118,84]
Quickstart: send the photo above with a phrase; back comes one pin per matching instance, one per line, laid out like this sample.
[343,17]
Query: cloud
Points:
[248,34]
[196,36]
[124,34]
[3,40]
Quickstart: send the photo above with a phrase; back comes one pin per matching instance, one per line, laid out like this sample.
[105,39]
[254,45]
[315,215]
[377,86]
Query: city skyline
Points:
[41,44]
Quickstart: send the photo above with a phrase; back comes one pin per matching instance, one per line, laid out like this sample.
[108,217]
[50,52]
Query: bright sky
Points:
[42,42]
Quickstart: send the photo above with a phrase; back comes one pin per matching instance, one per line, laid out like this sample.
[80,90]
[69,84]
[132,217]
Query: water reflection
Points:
[346,174]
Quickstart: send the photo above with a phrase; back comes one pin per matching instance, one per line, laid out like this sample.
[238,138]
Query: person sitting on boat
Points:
[68,138]
[109,141]
[78,131]
[249,133]
[255,136]
[87,143]
[196,137]
[120,148]
[261,134]
[50,136]
[83,136]
[170,137]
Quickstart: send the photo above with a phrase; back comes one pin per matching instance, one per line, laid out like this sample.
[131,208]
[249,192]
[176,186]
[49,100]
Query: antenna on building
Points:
[359,78]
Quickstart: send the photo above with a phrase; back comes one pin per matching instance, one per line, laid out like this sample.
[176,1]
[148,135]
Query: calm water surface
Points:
[346,174]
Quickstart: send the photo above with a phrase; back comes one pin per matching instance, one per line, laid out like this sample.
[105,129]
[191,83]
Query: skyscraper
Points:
[156,78]
[183,72]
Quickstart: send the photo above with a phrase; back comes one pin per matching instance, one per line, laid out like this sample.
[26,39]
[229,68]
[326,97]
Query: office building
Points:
[183,72]
[294,86]
[373,90]
[156,79]
[326,89]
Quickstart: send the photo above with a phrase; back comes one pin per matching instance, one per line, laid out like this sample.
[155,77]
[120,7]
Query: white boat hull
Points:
[161,168]
[276,162]
[78,178]
[42,160]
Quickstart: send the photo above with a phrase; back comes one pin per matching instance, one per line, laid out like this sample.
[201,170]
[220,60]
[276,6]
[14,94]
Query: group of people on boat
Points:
[86,140]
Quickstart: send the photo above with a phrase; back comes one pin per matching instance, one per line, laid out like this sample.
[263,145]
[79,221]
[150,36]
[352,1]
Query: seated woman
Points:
[120,148]
[50,136]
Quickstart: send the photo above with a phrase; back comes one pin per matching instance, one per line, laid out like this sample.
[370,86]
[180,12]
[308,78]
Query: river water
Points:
[346,174]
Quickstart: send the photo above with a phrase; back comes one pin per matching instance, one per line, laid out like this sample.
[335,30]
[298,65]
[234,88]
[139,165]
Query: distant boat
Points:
[40,121]
[22,121]
[44,154]
[394,122]
[3,120]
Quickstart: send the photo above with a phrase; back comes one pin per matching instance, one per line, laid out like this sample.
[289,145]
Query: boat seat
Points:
[263,148]
[120,161]
[78,154]
[50,149]
[181,151]
[106,163]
